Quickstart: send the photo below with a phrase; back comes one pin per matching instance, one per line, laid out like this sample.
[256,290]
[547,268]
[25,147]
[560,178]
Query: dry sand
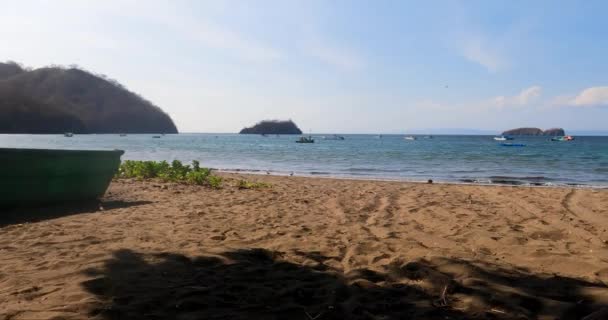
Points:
[310,249]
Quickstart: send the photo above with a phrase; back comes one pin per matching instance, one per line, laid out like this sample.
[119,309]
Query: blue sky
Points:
[334,66]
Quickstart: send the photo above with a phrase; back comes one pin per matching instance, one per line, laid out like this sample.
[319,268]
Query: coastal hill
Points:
[58,99]
[273,127]
[534,132]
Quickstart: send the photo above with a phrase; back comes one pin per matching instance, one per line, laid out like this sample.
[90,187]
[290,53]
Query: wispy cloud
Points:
[524,98]
[216,36]
[482,52]
[334,55]
[527,97]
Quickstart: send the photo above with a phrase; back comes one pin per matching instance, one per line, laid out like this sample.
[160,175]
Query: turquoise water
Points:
[477,159]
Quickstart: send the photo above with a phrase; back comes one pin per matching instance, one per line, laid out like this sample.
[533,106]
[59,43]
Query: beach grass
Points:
[244,184]
[174,172]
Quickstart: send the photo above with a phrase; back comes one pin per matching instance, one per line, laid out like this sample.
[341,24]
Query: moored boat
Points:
[68,134]
[503,138]
[410,138]
[41,176]
[333,137]
[308,139]
[564,138]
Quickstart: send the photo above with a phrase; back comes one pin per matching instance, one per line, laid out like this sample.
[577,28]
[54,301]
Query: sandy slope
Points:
[310,249]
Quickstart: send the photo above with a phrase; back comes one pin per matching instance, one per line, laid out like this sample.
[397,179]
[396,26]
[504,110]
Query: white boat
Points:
[410,138]
[500,138]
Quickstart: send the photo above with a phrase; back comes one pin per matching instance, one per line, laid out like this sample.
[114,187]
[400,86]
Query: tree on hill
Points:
[71,99]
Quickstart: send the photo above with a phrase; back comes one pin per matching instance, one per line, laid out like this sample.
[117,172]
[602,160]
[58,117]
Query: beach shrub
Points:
[215,182]
[244,184]
[174,172]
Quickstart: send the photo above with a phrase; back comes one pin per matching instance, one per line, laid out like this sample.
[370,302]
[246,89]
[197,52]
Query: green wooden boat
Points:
[41,176]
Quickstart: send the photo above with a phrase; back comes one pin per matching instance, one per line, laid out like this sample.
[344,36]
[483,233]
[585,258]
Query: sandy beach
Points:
[309,248]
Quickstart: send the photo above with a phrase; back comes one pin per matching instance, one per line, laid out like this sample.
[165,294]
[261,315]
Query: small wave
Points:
[372,170]
[525,178]
[512,181]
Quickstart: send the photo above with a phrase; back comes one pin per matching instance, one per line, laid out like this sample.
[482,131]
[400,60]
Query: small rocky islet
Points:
[535,132]
[273,127]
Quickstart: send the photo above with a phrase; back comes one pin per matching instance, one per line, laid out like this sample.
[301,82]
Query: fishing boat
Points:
[68,134]
[308,139]
[42,176]
[503,138]
[410,138]
[564,138]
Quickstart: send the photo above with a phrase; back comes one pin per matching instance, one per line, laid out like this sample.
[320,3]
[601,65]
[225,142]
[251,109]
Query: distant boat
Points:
[411,138]
[503,138]
[564,138]
[428,137]
[308,139]
[334,137]
[512,144]
[68,134]
[156,137]
[123,134]
[39,176]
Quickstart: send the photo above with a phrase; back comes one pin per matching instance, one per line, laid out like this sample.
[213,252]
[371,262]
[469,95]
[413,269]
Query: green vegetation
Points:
[244,184]
[174,172]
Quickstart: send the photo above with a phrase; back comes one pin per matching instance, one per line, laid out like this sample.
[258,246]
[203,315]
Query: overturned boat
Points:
[41,176]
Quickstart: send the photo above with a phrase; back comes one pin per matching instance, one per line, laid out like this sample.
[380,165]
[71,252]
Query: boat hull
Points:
[39,176]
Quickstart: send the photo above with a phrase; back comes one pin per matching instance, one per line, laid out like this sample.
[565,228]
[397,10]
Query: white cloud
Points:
[591,97]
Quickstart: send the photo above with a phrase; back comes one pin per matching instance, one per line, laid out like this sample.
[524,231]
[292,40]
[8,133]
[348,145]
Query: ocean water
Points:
[447,158]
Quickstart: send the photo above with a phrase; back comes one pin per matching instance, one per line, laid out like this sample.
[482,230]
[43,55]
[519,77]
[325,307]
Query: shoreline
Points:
[406,180]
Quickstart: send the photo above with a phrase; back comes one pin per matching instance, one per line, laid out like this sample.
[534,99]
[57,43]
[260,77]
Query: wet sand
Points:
[309,248]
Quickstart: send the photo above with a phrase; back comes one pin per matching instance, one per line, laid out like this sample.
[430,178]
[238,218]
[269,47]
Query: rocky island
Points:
[68,99]
[273,127]
[534,132]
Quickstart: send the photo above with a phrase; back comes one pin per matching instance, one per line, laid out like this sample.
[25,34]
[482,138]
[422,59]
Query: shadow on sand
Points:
[10,216]
[259,284]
